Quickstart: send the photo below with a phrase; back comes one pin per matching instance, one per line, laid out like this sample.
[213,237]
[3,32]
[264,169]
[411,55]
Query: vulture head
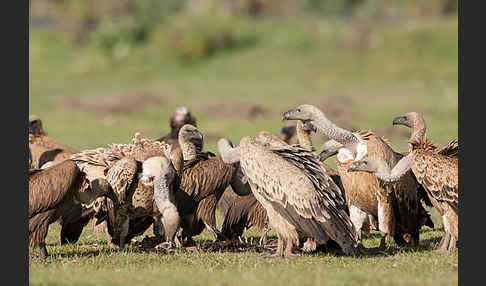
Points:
[189,133]
[304,112]
[157,169]
[411,120]
[228,153]
[370,165]
[98,188]
[181,116]
[329,149]
[35,125]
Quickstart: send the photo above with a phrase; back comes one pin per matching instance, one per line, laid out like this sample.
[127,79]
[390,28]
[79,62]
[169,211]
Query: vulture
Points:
[46,152]
[397,206]
[51,191]
[181,117]
[137,172]
[331,148]
[301,200]
[435,168]
[204,179]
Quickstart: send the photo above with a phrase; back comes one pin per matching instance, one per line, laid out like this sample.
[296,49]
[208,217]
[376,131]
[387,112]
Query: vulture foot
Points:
[310,245]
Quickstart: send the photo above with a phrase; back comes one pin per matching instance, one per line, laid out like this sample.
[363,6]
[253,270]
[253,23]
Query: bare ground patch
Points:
[235,109]
[104,106]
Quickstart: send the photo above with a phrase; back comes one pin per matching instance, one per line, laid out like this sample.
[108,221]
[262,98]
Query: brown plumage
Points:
[436,169]
[50,193]
[300,199]
[120,164]
[43,147]
[204,179]
[46,151]
[396,205]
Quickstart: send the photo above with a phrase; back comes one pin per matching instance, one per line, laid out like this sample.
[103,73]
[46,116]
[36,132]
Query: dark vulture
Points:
[181,117]
[397,206]
[46,152]
[204,179]
[51,191]
[301,200]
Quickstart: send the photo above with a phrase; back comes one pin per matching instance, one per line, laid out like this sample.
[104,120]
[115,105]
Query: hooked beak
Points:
[326,154]
[288,115]
[400,120]
[101,219]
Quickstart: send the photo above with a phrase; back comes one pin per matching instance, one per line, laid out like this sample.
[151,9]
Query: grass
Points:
[410,66]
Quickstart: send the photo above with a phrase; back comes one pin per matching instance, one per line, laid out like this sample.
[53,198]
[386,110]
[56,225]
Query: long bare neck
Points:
[418,133]
[385,174]
[332,131]
[189,150]
[303,136]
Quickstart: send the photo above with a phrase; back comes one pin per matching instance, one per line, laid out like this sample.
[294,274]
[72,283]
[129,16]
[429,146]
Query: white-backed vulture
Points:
[395,205]
[204,179]
[52,190]
[123,167]
[301,200]
[181,116]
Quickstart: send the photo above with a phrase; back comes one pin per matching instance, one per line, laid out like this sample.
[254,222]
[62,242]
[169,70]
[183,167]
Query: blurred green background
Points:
[99,71]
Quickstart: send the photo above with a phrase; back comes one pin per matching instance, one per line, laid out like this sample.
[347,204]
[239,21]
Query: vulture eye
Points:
[298,110]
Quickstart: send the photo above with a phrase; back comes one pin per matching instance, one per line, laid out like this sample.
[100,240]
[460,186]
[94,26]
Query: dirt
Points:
[104,106]
[236,110]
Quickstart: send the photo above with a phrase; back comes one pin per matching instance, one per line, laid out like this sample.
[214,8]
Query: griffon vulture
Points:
[300,199]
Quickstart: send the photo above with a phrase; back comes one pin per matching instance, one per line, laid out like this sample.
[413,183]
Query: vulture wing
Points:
[47,188]
[311,205]
[438,174]
[121,175]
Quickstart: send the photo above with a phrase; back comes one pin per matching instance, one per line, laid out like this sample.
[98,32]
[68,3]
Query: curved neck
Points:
[400,169]
[332,131]
[303,136]
[189,149]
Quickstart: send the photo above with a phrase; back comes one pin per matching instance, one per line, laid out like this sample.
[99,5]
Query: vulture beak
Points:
[326,154]
[400,120]
[31,129]
[101,219]
[288,115]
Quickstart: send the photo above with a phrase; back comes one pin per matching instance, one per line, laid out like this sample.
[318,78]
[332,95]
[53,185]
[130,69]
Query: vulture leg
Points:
[444,243]
[452,244]
[124,227]
[309,245]
[288,248]
[358,218]
[158,227]
[43,251]
[266,228]
[280,247]
[215,233]
[171,223]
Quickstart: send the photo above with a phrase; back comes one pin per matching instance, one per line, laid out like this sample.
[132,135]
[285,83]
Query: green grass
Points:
[408,67]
